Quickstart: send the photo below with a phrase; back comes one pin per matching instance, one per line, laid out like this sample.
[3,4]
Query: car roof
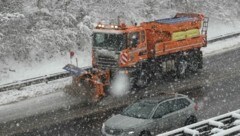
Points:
[164,97]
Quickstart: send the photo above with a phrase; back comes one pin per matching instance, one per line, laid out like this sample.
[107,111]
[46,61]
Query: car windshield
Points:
[110,41]
[139,110]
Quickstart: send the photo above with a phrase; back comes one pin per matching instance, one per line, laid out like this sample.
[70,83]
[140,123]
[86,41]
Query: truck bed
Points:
[175,20]
[170,47]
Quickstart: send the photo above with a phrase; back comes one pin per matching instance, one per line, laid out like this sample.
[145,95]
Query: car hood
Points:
[125,122]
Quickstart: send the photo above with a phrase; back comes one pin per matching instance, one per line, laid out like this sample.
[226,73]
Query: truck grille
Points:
[113,131]
[107,62]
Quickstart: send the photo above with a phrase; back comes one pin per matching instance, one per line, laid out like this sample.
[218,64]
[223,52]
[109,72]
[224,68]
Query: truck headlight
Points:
[125,72]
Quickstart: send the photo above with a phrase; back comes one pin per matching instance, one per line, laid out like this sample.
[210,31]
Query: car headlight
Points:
[103,126]
[130,132]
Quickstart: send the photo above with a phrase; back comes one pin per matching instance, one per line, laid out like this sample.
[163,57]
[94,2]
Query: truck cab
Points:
[116,46]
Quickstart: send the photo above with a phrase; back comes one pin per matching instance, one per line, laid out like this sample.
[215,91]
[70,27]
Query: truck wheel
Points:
[142,79]
[181,68]
[200,60]
[194,64]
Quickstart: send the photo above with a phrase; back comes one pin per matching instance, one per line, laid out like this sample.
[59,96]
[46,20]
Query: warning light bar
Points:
[102,26]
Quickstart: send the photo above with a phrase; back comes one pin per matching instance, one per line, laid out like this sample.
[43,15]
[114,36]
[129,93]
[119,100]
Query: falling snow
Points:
[36,37]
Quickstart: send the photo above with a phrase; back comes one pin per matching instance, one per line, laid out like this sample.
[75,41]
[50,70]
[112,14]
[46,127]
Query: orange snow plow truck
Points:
[165,46]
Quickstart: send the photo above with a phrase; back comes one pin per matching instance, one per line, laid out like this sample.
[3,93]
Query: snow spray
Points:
[120,85]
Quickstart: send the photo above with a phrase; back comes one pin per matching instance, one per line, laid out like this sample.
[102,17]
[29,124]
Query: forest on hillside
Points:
[33,30]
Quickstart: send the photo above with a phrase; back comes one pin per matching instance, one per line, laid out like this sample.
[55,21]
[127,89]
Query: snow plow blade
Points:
[86,79]
[76,71]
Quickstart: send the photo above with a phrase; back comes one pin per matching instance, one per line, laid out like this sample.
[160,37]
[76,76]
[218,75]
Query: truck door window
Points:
[99,38]
[110,41]
[134,39]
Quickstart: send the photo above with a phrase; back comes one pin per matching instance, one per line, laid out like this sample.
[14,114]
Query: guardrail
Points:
[226,124]
[32,81]
[54,76]
[223,37]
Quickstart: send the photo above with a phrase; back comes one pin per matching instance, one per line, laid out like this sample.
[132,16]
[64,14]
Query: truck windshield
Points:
[110,41]
[139,110]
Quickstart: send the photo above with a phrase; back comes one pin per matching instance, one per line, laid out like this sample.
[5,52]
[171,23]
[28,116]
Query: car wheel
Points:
[191,120]
[145,133]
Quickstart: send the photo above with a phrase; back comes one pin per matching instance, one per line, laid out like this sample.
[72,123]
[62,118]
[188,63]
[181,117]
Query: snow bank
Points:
[218,28]
[221,46]
[16,71]
[33,91]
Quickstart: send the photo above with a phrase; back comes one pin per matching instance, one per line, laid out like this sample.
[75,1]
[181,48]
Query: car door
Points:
[173,115]
[182,111]
[161,117]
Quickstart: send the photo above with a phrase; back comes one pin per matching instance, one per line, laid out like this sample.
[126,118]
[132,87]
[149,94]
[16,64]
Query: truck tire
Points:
[142,79]
[181,66]
[200,60]
[194,64]
[142,75]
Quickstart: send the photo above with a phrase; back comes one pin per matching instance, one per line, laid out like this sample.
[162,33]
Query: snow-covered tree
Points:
[35,29]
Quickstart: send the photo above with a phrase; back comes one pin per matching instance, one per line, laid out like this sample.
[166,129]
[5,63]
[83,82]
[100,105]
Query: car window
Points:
[140,110]
[163,109]
[180,104]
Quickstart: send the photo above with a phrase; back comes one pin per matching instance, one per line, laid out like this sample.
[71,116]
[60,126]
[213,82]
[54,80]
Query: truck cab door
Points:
[137,46]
